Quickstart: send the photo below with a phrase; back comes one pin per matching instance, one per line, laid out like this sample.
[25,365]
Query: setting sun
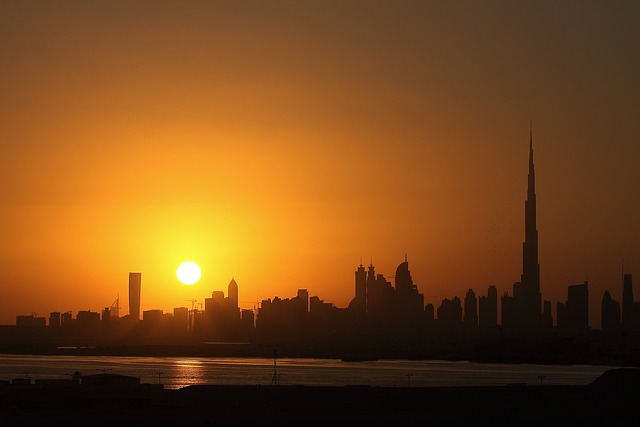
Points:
[188,273]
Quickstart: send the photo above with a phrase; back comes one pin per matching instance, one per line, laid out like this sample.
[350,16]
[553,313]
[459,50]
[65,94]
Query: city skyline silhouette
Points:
[279,144]
[517,326]
[521,308]
[322,213]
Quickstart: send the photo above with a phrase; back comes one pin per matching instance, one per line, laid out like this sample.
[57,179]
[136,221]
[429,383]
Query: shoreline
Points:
[258,350]
[289,350]
[610,397]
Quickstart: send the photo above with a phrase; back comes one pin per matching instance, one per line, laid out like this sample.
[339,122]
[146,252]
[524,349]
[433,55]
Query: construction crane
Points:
[114,309]
[256,304]
[193,303]
[193,312]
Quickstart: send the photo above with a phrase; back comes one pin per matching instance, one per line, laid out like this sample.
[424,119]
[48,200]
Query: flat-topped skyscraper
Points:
[134,295]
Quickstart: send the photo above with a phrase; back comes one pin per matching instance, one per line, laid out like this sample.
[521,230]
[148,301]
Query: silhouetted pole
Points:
[409,374]
[159,373]
[274,380]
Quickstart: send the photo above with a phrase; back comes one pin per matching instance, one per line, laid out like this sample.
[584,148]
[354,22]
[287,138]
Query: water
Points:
[178,372]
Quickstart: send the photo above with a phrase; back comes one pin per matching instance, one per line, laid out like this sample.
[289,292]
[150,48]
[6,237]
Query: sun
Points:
[188,273]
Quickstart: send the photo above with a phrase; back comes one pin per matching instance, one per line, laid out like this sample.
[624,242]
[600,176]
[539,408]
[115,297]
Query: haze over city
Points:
[283,143]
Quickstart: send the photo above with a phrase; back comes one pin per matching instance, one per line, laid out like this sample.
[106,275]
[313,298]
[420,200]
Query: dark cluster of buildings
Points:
[220,318]
[380,312]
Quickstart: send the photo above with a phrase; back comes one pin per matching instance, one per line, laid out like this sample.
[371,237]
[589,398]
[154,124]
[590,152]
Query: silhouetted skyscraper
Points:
[525,307]
[359,301]
[106,314]
[399,306]
[134,295]
[54,319]
[573,316]
[232,291]
[488,308]
[303,296]
[578,301]
[470,318]
[547,318]
[450,313]
[409,300]
[530,266]
[610,314]
[404,282]
[430,313]
[66,319]
[181,318]
[380,293]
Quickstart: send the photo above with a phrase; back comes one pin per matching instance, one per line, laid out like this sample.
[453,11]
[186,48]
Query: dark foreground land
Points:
[611,400]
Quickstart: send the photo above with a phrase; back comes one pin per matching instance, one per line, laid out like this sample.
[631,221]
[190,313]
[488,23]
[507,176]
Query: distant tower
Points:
[577,309]
[610,314]
[233,291]
[404,282]
[374,292]
[530,265]
[627,302]
[371,273]
[303,295]
[54,319]
[488,308]
[527,299]
[470,318]
[134,295]
[359,301]
[407,296]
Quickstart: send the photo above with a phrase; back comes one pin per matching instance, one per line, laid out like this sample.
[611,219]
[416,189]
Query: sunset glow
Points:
[281,143]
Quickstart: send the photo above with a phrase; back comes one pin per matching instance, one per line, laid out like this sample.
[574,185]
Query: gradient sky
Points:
[280,143]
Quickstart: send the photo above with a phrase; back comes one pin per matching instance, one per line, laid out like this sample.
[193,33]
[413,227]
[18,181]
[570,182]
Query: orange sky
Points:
[280,143]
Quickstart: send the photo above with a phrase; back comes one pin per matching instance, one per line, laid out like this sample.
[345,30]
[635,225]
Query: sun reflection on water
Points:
[187,372]
[178,372]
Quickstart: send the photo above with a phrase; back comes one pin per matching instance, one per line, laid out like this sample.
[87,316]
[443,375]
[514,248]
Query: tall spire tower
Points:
[530,266]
